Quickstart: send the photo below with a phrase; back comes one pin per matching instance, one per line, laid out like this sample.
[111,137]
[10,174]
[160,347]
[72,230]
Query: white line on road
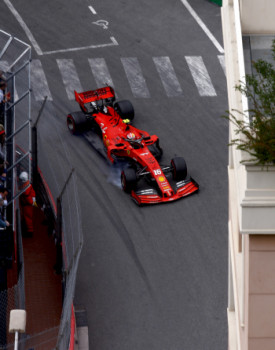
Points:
[136,80]
[203,26]
[222,62]
[92,10]
[25,27]
[39,82]
[100,72]
[112,43]
[200,76]
[69,77]
[168,76]
[37,47]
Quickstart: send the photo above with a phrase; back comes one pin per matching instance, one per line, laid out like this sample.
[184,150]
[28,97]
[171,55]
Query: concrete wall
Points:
[251,227]
[261,296]
[257,16]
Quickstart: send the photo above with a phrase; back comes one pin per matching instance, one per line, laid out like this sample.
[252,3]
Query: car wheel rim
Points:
[70,125]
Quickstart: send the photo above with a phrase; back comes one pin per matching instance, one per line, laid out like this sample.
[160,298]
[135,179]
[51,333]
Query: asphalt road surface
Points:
[150,278]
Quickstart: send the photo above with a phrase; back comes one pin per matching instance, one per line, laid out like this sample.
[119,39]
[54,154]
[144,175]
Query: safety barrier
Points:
[15,61]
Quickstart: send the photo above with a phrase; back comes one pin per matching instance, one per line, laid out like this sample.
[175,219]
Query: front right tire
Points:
[128,179]
[125,109]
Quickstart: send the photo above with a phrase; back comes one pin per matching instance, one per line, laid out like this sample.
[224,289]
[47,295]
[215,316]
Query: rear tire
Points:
[128,179]
[77,122]
[125,109]
[179,168]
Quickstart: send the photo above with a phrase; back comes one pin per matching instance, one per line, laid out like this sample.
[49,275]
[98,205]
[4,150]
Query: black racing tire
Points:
[76,122]
[125,109]
[128,179]
[179,168]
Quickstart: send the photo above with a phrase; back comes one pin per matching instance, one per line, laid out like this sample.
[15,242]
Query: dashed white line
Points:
[92,10]
[200,76]
[203,26]
[25,27]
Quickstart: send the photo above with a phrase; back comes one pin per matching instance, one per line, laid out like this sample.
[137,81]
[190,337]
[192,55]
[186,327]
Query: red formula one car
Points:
[145,179]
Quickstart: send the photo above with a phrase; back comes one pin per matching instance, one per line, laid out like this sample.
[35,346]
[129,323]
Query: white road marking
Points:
[112,43]
[39,83]
[200,76]
[92,10]
[102,23]
[168,76]
[133,72]
[136,80]
[222,62]
[69,77]
[35,43]
[100,72]
[203,26]
[24,27]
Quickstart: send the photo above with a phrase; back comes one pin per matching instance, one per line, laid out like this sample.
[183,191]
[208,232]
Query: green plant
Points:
[257,137]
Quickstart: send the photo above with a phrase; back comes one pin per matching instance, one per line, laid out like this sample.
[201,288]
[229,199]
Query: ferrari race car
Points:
[145,179]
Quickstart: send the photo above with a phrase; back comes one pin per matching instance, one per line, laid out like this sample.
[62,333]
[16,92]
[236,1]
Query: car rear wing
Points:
[94,95]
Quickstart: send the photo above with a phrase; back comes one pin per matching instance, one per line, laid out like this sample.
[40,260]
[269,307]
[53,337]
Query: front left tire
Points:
[125,109]
[76,122]
[179,168]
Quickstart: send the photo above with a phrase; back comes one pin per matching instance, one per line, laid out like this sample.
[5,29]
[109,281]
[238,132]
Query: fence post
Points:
[58,264]
[34,161]
[59,255]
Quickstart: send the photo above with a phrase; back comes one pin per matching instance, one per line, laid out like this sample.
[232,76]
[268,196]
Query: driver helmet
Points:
[24,177]
[131,136]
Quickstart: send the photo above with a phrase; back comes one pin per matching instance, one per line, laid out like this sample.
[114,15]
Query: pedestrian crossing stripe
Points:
[168,76]
[200,76]
[135,77]
[133,72]
[100,72]
[69,77]
[39,82]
